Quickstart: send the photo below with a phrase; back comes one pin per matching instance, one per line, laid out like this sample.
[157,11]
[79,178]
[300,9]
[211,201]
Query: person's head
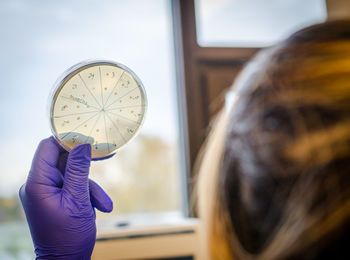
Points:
[275,177]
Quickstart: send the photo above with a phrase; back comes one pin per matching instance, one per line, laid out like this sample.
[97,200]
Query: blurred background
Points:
[186,53]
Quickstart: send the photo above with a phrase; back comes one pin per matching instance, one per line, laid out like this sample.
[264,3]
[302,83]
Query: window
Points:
[40,40]
[254,23]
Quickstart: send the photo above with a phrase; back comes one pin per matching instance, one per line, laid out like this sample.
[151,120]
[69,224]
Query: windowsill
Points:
[126,226]
[147,236]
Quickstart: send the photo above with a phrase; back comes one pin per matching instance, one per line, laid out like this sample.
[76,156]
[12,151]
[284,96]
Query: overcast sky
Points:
[41,39]
[254,23]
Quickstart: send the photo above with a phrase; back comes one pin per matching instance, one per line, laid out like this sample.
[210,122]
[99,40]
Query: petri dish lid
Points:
[98,102]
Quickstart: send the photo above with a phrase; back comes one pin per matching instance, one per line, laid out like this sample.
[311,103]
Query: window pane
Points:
[40,40]
[253,23]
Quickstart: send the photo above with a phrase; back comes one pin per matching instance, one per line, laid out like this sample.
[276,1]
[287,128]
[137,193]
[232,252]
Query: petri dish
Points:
[98,102]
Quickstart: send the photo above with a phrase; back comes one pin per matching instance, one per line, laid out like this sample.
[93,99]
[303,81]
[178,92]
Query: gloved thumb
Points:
[99,198]
[76,178]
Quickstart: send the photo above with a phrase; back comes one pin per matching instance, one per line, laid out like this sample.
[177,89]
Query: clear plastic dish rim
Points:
[71,72]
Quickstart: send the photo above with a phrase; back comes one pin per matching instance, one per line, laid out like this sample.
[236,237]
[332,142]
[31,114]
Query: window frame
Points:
[197,104]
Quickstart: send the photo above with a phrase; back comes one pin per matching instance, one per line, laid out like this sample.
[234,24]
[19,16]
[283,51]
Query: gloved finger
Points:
[99,198]
[104,158]
[77,171]
[44,166]
[62,162]
[22,193]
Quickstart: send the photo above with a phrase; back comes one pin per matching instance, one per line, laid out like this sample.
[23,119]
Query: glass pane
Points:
[40,40]
[253,23]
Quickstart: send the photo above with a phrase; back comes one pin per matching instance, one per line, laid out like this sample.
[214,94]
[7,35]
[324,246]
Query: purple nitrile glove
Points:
[59,201]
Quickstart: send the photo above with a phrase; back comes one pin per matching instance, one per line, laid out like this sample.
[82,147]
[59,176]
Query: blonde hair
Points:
[275,175]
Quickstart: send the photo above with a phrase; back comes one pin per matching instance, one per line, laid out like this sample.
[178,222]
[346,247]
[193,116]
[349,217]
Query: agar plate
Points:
[98,102]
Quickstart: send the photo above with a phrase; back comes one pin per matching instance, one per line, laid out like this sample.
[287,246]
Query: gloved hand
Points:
[59,201]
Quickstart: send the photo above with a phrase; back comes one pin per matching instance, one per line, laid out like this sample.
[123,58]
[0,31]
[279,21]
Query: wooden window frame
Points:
[199,101]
